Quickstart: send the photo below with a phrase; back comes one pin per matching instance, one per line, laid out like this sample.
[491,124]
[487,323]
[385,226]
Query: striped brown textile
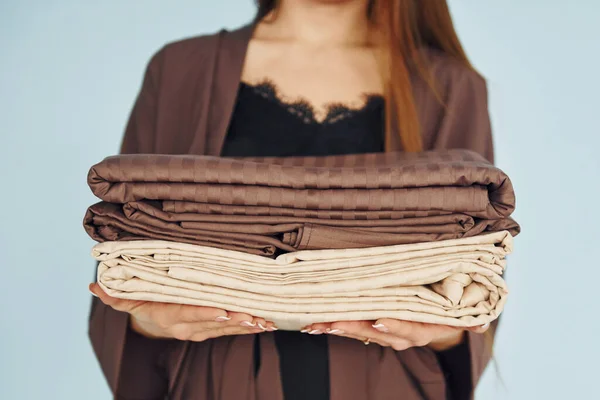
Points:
[262,205]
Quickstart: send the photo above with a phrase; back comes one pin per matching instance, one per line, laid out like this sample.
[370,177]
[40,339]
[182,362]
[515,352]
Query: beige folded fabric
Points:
[454,282]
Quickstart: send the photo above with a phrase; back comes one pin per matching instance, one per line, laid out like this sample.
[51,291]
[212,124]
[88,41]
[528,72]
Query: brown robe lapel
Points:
[223,83]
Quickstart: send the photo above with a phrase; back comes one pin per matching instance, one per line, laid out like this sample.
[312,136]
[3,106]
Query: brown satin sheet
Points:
[272,205]
[454,282]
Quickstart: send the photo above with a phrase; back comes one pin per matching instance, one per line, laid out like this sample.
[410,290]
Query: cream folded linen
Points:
[453,282]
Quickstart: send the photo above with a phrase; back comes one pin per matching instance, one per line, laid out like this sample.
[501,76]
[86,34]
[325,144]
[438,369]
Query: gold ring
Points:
[367,341]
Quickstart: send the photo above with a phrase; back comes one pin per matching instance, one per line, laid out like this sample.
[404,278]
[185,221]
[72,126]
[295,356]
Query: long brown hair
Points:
[407,26]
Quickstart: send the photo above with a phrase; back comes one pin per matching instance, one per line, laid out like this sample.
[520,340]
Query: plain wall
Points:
[69,73]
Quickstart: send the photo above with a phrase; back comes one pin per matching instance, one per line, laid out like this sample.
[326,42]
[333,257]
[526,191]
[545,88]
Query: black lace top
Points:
[265,125]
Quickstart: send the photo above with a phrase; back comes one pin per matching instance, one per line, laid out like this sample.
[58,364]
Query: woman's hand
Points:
[399,335]
[182,322]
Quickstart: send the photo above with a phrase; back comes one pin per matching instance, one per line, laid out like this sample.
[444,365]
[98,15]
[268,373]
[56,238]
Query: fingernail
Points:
[92,293]
[262,327]
[315,332]
[248,324]
[222,318]
[334,331]
[273,328]
[380,327]
[485,326]
[304,330]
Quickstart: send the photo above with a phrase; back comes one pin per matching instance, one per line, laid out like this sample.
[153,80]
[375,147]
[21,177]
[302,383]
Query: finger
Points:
[271,327]
[317,329]
[362,338]
[364,329]
[350,326]
[200,336]
[238,322]
[193,327]
[479,329]
[97,291]
[169,316]
[416,332]
[260,323]
[186,313]
[238,318]
[117,304]
[264,325]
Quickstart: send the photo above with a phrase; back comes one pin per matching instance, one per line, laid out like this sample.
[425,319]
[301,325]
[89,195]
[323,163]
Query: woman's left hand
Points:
[399,335]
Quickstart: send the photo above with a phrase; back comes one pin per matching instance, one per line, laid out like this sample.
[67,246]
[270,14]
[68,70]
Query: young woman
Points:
[308,77]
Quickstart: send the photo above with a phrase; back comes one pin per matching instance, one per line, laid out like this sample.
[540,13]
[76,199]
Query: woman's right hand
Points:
[182,322]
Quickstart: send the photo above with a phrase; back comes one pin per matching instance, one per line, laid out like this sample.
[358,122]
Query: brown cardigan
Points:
[184,107]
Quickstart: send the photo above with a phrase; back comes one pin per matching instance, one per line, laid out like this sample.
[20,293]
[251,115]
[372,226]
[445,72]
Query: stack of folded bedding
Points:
[420,237]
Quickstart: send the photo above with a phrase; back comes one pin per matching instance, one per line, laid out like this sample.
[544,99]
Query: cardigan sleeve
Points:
[123,355]
[465,123]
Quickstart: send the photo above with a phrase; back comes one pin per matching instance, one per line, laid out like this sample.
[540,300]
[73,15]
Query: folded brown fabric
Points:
[262,205]
[455,282]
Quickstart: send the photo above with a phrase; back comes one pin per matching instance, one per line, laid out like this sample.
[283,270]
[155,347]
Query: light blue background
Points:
[69,72]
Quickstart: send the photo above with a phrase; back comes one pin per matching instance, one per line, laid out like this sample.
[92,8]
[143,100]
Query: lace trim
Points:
[305,111]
